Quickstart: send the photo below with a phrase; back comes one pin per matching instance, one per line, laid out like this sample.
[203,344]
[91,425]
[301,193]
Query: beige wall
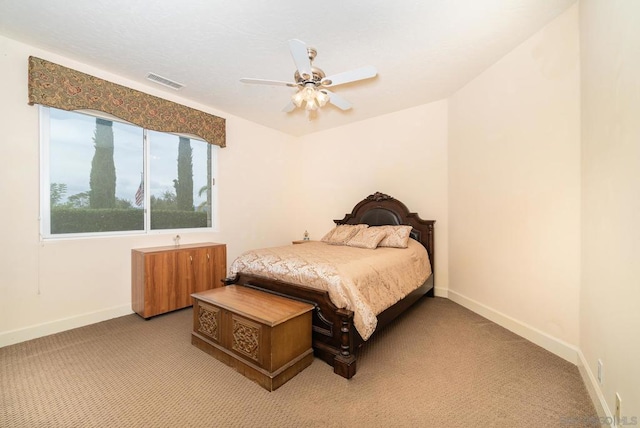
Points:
[54,285]
[610,294]
[514,189]
[403,154]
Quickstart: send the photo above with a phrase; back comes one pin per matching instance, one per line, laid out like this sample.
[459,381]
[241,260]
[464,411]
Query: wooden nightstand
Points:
[301,241]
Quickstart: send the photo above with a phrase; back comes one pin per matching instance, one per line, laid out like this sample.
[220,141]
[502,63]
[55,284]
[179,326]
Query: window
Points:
[99,175]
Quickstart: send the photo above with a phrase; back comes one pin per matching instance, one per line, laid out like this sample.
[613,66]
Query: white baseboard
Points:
[554,345]
[590,381]
[45,329]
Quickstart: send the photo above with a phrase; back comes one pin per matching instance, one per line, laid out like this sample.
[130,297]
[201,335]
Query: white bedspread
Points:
[362,280]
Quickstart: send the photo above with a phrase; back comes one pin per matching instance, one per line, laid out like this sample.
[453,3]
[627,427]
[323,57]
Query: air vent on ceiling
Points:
[164,81]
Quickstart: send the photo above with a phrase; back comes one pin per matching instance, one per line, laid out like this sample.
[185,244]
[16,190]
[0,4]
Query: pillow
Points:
[340,234]
[367,238]
[397,236]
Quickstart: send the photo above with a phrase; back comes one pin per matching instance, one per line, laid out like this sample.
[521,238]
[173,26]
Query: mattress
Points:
[365,281]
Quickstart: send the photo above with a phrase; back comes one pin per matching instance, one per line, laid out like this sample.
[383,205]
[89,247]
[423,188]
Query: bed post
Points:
[344,364]
[432,258]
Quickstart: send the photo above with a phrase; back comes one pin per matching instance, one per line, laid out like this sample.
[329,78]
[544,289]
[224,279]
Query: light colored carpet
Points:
[439,365]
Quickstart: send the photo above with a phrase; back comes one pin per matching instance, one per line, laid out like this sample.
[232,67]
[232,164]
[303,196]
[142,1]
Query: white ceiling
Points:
[423,50]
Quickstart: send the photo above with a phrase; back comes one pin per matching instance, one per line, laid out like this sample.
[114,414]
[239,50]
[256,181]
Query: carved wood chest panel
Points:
[263,336]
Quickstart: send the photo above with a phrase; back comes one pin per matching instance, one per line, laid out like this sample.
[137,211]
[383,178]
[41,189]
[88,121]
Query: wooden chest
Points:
[265,337]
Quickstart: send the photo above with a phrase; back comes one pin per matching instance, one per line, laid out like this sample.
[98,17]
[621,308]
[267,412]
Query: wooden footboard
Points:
[333,331]
[334,337]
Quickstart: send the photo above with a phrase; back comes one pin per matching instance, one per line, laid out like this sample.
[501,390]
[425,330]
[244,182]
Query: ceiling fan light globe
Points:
[298,98]
[311,105]
[309,93]
[322,98]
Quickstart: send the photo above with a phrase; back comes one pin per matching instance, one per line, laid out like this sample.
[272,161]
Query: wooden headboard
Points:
[380,209]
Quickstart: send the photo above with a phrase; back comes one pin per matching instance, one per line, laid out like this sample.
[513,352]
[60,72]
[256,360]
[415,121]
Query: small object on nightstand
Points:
[305,239]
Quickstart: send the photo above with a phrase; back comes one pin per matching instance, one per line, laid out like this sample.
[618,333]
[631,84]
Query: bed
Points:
[334,334]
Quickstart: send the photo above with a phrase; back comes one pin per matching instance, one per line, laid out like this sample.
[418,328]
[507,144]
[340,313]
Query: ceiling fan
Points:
[312,83]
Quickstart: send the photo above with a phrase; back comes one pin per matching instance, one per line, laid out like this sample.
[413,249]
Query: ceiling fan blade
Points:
[301,58]
[289,107]
[337,100]
[268,82]
[350,76]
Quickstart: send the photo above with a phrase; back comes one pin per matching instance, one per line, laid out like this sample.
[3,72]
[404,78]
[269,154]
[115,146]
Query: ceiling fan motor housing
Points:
[317,76]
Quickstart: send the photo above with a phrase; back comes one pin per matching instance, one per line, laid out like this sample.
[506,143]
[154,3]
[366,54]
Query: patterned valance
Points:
[56,86]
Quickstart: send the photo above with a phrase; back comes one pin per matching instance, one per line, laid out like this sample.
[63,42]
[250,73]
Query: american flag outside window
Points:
[140,193]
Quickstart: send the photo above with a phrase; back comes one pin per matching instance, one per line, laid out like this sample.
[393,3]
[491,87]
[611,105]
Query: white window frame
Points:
[45,185]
